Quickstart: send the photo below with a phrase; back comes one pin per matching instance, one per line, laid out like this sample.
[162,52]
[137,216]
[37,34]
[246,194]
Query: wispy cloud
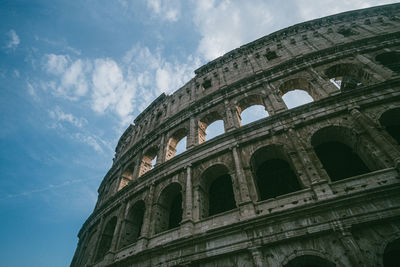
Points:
[168,10]
[225,25]
[61,116]
[13,40]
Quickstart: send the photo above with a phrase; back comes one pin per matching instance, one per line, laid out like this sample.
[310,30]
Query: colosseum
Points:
[313,185]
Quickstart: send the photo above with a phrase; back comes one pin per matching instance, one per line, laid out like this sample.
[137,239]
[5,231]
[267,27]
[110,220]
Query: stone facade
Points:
[313,185]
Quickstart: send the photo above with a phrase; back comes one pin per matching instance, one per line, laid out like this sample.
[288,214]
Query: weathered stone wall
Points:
[320,218]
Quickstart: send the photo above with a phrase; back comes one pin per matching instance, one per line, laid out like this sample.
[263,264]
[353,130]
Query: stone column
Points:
[138,165]
[161,150]
[187,220]
[380,73]
[147,218]
[349,244]
[245,204]
[232,118]
[117,231]
[98,237]
[327,87]
[384,146]
[274,98]
[193,138]
[318,184]
[258,257]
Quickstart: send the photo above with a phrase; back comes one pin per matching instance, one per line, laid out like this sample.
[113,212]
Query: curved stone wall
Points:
[313,184]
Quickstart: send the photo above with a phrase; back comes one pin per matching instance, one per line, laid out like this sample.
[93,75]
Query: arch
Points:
[148,160]
[347,76]
[169,208]
[335,148]
[390,60]
[127,175]
[216,191]
[309,261]
[390,119]
[251,108]
[391,254]
[300,84]
[206,121]
[106,238]
[173,142]
[133,224]
[273,173]
[296,98]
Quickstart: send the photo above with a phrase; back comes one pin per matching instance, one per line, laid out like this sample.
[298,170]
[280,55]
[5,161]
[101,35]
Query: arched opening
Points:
[334,147]
[251,108]
[274,175]
[253,113]
[133,224]
[298,91]
[126,176]
[391,121]
[210,126]
[217,191]
[106,238]
[391,255]
[169,208]
[309,261]
[174,145]
[149,160]
[296,98]
[390,60]
[347,76]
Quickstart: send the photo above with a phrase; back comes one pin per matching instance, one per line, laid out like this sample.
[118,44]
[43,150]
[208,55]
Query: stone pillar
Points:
[138,165]
[245,204]
[147,218]
[274,98]
[232,118]
[379,73]
[162,150]
[117,231]
[98,237]
[193,138]
[349,244]
[384,146]
[187,220]
[258,257]
[327,87]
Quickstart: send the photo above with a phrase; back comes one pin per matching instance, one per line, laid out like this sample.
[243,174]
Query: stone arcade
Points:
[315,185]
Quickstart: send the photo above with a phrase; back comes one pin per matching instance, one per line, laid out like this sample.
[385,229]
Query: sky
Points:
[74,75]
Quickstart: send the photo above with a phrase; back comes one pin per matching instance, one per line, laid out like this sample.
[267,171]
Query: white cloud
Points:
[309,9]
[73,82]
[89,140]
[225,25]
[32,91]
[56,64]
[61,116]
[14,40]
[165,9]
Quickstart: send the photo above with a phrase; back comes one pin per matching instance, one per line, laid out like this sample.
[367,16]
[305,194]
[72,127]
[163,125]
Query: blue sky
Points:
[74,74]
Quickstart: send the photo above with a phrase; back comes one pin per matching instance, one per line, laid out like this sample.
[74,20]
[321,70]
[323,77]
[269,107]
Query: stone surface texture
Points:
[325,221]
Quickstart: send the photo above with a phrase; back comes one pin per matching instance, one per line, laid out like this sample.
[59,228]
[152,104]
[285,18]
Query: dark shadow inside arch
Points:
[334,146]
[391,121]
[309,261]
[133,224]
[274,175]
[221,195]
[340,161]
[216,191]
[391,60]
[391,255]
[169,208]
[106,238]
